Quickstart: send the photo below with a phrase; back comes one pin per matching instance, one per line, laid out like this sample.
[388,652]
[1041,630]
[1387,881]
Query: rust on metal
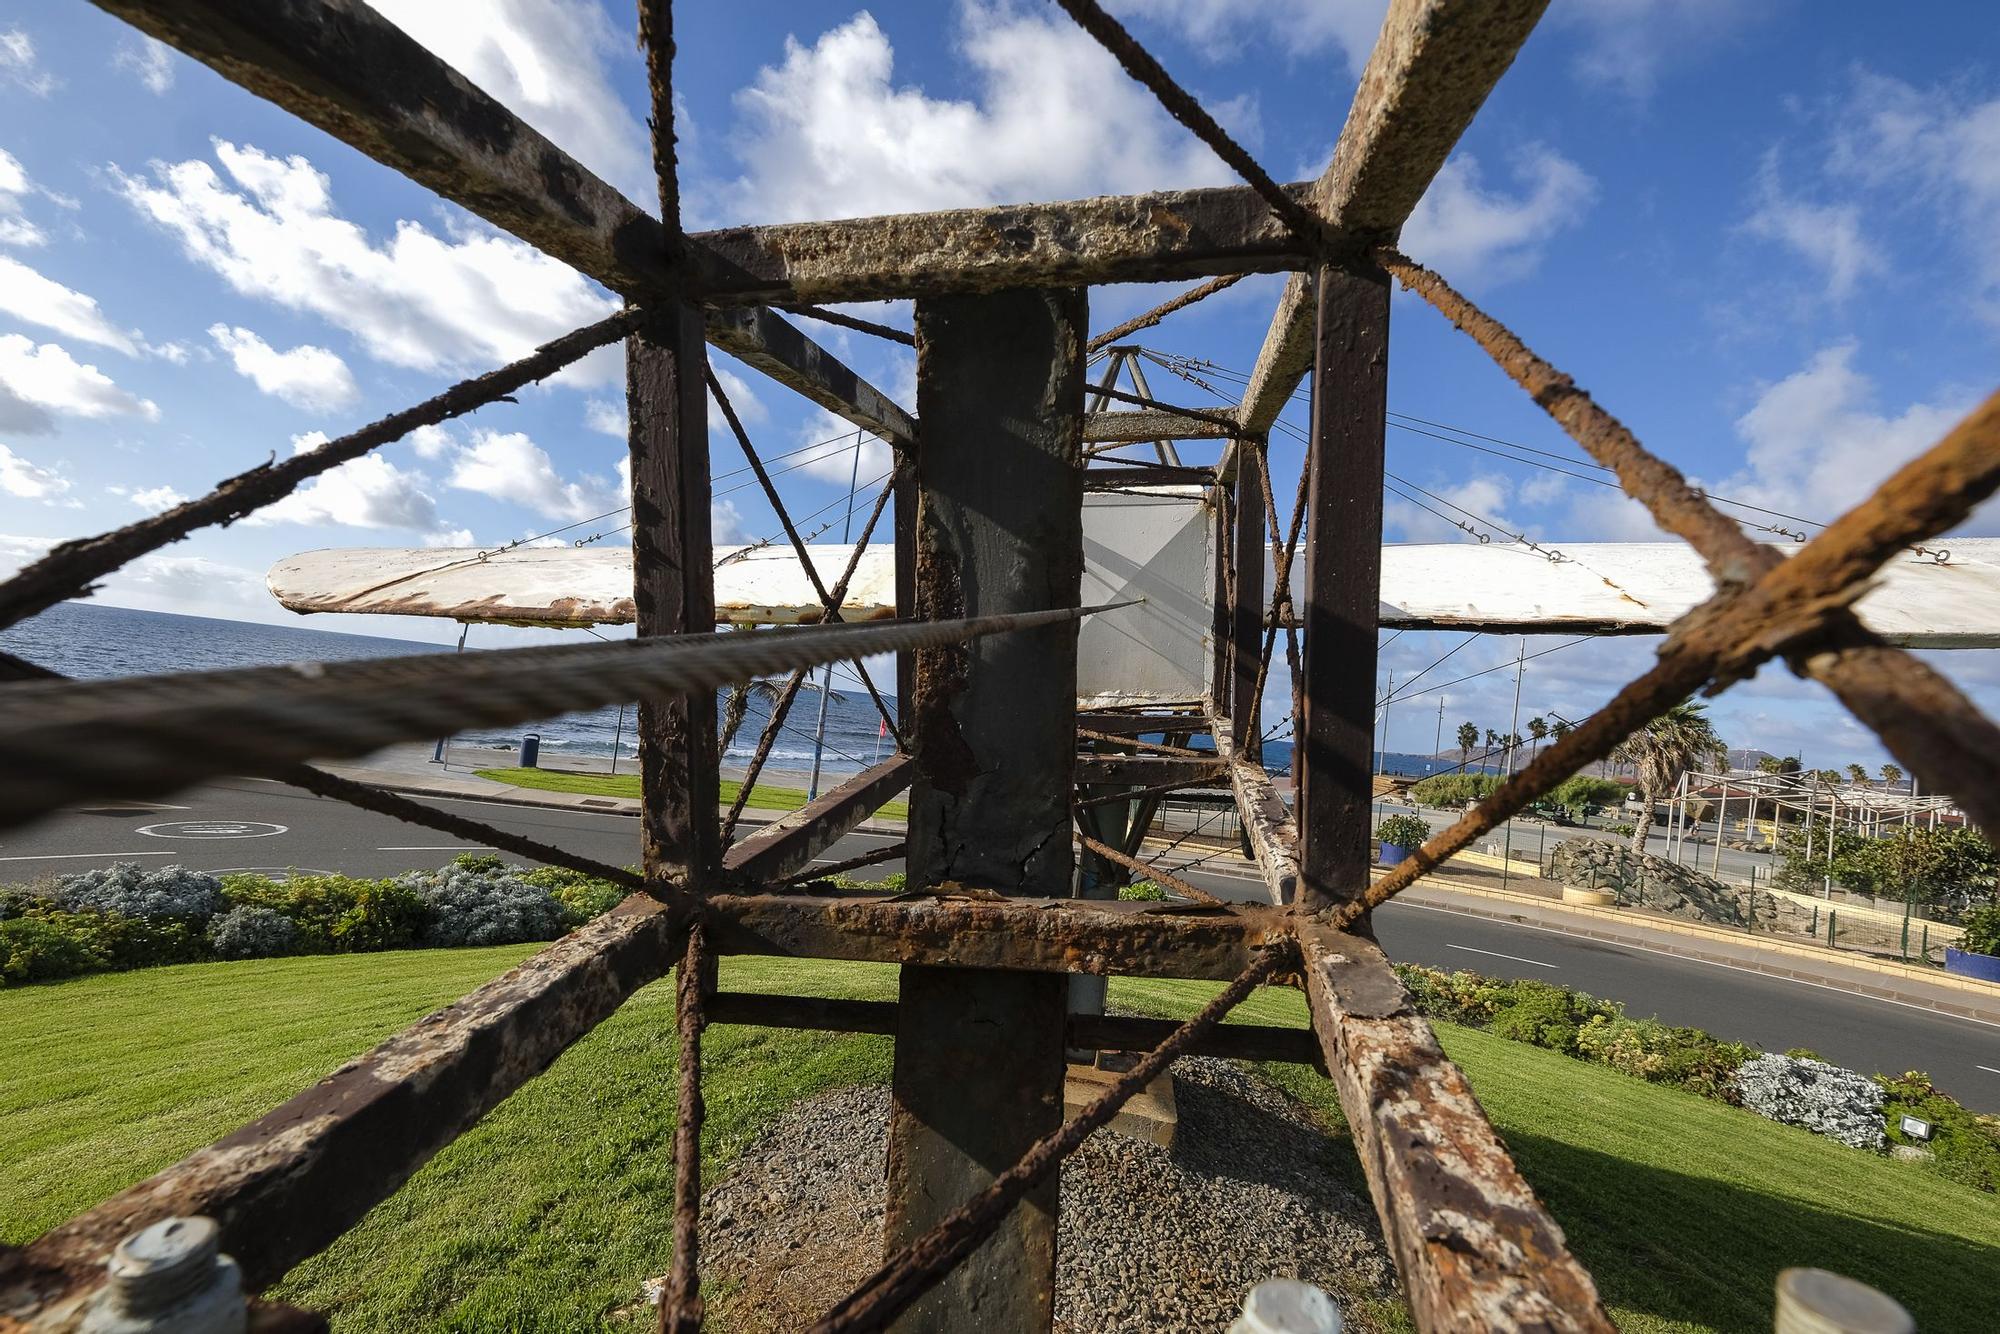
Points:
[1147,319]
[959,927]
[1164,879]
[1267,821]
[789,843]
[1180,770]
[1475,1248]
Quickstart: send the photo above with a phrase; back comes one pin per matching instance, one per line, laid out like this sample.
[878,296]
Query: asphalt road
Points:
[249,824]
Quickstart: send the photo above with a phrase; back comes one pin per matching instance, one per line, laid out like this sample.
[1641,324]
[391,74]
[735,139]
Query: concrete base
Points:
[1595,898]
[1149,1114]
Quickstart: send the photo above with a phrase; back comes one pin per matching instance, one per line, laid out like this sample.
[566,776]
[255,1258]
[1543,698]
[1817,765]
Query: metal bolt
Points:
[169,1278]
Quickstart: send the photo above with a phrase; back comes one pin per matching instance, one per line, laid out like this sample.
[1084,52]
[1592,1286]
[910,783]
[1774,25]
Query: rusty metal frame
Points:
[1474,1247]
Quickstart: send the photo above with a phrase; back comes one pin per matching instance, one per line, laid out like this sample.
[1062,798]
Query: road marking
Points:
[1495,954]
[1684,958]
[67,856]
[443,847]
[1987,1068]
[212,829]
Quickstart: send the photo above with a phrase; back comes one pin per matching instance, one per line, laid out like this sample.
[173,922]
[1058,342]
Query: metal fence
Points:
[988,484]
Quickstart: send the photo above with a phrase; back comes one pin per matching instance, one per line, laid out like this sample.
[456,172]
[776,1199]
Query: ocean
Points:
[87,640]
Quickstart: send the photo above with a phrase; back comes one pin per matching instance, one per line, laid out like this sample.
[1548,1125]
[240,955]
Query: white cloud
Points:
[27,295]
[1818,443]
[750,409]
[29,481]
[608,416]
[15,188]
[306,376]
[368,492]
[431,303]
[20,66]
[1938,148]
[1429,519]
[1828,236]
[187,584]
[1220,29]
[1468,231]
[827,133]
[545,60]
[510,466]
[432,442]
[157,498]
[725,524]
[152,62]
[1626,42]
[48,377]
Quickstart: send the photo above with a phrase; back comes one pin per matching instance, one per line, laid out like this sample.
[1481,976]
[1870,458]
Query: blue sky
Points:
[1762,234]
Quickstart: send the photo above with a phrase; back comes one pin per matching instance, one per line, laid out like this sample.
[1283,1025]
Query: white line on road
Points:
[67,856]
[1686,958]
[443,847]
[1495,954]
[1987,1068]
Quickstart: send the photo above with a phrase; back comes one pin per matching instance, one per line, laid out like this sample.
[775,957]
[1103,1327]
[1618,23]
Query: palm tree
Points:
[1892,776]
[738,704]
[1857,775]
[1770,764]
[1539,730]
[1662,751]
[1468,737]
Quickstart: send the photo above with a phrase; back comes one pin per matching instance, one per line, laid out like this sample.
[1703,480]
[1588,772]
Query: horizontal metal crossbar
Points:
[149,736]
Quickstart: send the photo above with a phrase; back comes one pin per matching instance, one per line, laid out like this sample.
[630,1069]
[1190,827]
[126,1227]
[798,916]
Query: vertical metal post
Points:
[979,1053]
[1721,819]
[1334,727]
[1247,597]
[673,589]
[826,681]
[1222,630]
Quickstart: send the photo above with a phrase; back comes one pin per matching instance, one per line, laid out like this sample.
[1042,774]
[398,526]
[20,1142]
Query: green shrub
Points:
[1403,831]
[1664,1054]
[121,943]
[38,949]
[386,915]
[1452,791]
[1545,1015]
[583,898]
[1143,891]
[1460,998]
[250,932]
[1964,1147]
[1982,930]
[1579,791]
[1621,830]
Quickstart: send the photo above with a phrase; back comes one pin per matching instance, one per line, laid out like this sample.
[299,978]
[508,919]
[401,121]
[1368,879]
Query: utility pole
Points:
[1437,742]
[1520,665]
[826,682]
[1383,750]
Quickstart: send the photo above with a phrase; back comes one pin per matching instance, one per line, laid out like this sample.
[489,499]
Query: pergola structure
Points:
[989,484]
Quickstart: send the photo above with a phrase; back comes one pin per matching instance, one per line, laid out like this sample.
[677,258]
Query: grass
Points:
[762,798]
[549,1214]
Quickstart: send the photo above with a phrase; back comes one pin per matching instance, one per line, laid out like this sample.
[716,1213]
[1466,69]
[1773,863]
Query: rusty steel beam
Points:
[1144,426]
[1334,733]
[1000,383]
[1266,821]
[1246,609]
[788,844]
[1114,238]
[1141,724]
[287,1184]
[1145,770]
[766,341]
[1476,1250]
[1430,72]
[673,593]
[960,928]
[1085,1032]
[1123,478]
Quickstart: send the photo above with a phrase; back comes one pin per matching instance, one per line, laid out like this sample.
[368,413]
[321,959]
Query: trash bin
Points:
[531,749]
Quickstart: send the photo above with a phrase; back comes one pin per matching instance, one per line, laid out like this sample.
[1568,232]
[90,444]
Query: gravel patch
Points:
[1151,1238]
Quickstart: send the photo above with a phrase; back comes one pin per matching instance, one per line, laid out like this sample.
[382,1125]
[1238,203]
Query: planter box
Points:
[1393,854]
[1985,967]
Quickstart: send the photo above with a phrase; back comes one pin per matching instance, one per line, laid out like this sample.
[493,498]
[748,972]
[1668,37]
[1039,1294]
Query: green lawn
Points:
[548,1214]
[627,785]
